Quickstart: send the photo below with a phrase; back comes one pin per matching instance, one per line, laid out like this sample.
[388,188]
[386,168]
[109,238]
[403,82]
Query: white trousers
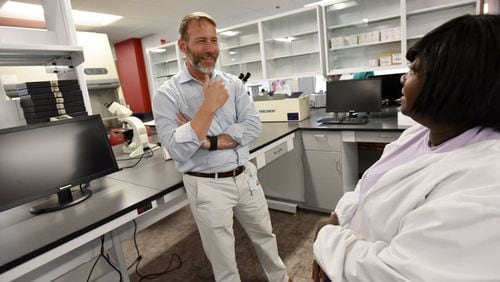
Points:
[213,203]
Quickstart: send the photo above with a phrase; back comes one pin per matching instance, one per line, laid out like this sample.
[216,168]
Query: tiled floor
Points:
[177,234]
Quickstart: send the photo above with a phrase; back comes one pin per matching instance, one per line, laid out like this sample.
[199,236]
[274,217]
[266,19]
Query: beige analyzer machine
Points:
[281,107]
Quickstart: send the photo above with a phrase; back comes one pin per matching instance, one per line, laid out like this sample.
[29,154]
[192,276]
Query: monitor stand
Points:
[351,114]
[65,198]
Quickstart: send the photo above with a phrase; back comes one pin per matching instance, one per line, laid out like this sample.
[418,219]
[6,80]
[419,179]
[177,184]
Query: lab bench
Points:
[301,164]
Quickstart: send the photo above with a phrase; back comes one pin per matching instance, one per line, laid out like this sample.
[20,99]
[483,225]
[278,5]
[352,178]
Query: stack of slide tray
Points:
[42,100]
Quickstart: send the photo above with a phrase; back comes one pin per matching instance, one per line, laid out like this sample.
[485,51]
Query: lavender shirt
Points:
[418,146]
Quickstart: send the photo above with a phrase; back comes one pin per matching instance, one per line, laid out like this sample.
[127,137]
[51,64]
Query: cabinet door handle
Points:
[320,137]
[339,166]
[387,136]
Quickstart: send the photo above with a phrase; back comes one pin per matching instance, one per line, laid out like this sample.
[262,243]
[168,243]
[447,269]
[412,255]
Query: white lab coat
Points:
[436,218]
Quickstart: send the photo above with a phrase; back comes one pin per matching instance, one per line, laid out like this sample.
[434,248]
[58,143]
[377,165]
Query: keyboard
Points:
[343,120]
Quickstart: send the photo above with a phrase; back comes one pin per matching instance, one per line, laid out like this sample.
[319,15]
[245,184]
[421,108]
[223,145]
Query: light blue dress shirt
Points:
[237,118]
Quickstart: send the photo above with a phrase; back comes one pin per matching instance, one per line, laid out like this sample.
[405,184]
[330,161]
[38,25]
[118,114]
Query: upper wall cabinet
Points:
[346,37]
[240,51]
[164,62]
[292,44]
[424,15]
[363,35]
[373,35]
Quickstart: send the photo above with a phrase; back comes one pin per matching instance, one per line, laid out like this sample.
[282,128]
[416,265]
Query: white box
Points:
[361,38]
[396,33]
[373,62]
[385,35]
[337,42]
[351,40]
[375,36]
[287,109]
[390,34]
[317,100]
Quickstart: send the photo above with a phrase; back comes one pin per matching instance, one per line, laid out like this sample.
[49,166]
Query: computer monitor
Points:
[357,95]
[47,158]
[391,88]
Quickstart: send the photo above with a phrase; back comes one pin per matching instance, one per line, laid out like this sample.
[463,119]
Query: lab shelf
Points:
[243,62]
[293,55]
[366,69]
[297,34]
[364,45]
[440,8]
[364,23]
[40,55]
[239,46]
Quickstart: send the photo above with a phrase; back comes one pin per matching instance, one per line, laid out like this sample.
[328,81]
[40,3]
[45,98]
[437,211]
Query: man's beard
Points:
[196,61]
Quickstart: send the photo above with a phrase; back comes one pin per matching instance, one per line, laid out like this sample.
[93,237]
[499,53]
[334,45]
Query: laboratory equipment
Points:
[354,96]
[52,157]
[140,139]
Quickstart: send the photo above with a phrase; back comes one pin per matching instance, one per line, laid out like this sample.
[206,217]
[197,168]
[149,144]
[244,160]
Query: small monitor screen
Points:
[358,95]
[39,160]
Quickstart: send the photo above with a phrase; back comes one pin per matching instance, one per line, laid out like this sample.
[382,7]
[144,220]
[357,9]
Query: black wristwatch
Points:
[213,143]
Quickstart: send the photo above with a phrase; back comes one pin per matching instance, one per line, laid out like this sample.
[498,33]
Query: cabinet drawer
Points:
[276,152]
[322,141]
[377,136]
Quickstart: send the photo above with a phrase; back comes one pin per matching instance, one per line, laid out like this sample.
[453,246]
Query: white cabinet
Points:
[281,180]
[363,37]
[287,45]
[164,62]
[372,35]
[425,15]
[292,44]
[240,51]
[367,35]
[330,168]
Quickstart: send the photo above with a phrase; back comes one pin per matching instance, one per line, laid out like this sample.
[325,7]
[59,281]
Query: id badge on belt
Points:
[253,182]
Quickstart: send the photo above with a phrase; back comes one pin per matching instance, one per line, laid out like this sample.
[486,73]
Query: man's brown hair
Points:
[197,16]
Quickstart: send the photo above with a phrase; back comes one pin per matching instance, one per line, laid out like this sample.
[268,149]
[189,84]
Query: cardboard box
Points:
[282,109]
[385,59]
[396,58]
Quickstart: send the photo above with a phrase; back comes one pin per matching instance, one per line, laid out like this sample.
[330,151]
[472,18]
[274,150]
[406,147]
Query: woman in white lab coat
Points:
[429,209]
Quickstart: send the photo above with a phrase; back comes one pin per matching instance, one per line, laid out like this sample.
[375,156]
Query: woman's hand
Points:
[333,220]
[317,273]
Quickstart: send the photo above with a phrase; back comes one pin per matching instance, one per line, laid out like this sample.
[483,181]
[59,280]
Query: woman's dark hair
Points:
[460,66]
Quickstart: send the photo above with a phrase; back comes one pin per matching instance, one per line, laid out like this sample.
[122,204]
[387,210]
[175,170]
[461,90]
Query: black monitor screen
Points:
[42,159]
[358,95]
[391,87]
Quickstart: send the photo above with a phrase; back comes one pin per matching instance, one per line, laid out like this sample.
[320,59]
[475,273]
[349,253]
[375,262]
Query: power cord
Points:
[144,155]
[137,261]
[148,153]
[106,258]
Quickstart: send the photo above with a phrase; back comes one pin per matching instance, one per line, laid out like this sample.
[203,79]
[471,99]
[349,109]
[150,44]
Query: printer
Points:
[282,107]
